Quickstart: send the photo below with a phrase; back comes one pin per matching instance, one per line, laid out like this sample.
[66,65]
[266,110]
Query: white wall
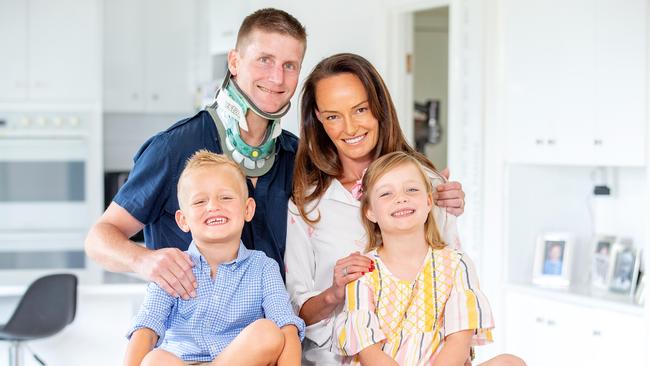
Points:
[551,198]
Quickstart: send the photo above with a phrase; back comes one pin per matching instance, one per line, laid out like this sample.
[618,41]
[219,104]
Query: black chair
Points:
[48,305]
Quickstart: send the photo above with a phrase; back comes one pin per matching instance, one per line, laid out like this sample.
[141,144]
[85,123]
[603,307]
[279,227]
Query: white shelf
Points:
[582,296]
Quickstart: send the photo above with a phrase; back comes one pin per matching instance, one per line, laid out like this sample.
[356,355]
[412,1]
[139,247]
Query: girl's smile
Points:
[399,201]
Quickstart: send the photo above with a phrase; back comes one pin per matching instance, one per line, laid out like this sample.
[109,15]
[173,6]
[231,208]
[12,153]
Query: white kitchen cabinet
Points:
[224,24]
[545,331]
[50,51]
[13,53]
[148,50]
[542,332]
[621,69]
[574,81]
[616,331]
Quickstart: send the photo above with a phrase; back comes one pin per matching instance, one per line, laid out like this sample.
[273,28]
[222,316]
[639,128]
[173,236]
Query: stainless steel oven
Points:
[50,188]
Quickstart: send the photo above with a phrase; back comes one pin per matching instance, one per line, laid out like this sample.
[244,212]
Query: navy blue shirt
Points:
[149,194]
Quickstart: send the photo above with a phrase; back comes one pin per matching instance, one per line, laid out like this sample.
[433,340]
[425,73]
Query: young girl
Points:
[421,304]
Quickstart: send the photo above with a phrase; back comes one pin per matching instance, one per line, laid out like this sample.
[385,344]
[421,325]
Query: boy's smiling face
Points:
[214,204]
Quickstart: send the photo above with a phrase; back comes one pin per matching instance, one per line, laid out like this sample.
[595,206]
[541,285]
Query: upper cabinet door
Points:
[548,69]
[574,81]
[224,24]
[13,52]
[64,48]
[169,80]
[123,56]
[621,76]
[149,53]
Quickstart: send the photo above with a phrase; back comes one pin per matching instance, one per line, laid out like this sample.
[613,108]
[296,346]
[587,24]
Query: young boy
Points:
[241,314]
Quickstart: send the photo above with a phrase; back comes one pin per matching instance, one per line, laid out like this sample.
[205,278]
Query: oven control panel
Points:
[44,123]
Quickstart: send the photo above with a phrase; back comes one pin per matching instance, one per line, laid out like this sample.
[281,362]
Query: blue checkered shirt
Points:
[244,290]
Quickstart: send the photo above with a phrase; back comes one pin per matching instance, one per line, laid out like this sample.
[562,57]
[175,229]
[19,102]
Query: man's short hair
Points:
[272,21]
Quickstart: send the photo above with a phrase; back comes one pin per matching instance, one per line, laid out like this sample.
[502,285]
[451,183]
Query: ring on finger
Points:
[345,271]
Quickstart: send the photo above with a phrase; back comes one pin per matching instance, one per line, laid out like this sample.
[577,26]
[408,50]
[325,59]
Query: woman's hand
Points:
[450,196]
[347,270]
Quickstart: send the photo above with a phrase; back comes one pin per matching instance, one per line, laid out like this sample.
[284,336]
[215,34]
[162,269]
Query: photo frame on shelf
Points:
[601,261]
[624,268]
[639,295]
[553,256]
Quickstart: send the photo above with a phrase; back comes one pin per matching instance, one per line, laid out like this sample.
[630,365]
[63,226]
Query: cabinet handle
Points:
[154,97]
[551,141]
[595,333]
[539,319]
[551,323]
[598,142]
[135,96]
[539,142]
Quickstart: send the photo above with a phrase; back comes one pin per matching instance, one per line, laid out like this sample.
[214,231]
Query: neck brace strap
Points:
[243,99]
[231,106]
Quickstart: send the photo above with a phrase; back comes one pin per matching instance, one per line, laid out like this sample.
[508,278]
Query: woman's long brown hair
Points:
[317,160]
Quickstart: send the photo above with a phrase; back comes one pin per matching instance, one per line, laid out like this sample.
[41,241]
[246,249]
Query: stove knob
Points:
[25,122]
[57,121]
[40,121]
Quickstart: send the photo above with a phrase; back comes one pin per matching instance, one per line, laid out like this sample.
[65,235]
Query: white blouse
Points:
[312,252]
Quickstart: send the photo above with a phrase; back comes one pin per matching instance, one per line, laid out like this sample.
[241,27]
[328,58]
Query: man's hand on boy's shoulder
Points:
[171,269]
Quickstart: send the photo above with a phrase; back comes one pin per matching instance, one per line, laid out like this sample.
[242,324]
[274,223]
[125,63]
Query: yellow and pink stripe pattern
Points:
[412,318]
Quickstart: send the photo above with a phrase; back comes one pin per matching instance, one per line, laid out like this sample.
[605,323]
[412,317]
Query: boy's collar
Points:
[198,259]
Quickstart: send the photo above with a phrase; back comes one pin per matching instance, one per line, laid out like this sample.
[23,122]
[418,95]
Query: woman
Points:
[348,121]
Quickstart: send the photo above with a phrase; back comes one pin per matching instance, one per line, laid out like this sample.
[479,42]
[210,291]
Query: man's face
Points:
[266,68]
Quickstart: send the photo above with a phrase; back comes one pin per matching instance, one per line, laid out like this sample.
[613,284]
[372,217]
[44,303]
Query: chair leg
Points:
[15,356]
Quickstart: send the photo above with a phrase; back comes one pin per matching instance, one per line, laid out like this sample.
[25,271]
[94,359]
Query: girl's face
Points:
[344,111]
[399,202]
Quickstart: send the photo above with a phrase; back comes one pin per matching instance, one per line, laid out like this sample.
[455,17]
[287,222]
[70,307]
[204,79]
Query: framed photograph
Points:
[624,268]
[639,296]
[552,265]
[601,261]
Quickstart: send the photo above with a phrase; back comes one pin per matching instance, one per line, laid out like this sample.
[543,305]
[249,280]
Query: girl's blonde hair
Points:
[378,169]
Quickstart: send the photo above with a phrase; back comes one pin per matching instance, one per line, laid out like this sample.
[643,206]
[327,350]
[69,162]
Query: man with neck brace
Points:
[244,124]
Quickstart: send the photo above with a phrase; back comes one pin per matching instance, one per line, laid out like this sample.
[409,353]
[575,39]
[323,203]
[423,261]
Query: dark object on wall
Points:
[427,124]
[112,183]
[48,306]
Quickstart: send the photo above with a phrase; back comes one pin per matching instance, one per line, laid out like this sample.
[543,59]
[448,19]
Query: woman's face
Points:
[344,111]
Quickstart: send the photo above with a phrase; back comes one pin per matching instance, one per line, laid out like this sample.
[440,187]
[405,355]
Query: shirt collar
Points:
[337,192]
[285,143]
[199,260]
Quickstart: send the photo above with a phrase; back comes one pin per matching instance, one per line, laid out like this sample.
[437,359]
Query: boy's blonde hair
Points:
[378,169]
[204,158]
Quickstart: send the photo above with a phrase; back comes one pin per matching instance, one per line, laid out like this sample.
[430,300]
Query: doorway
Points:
[431,83]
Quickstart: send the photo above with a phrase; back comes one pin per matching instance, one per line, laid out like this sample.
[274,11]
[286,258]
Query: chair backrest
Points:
[48,305]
